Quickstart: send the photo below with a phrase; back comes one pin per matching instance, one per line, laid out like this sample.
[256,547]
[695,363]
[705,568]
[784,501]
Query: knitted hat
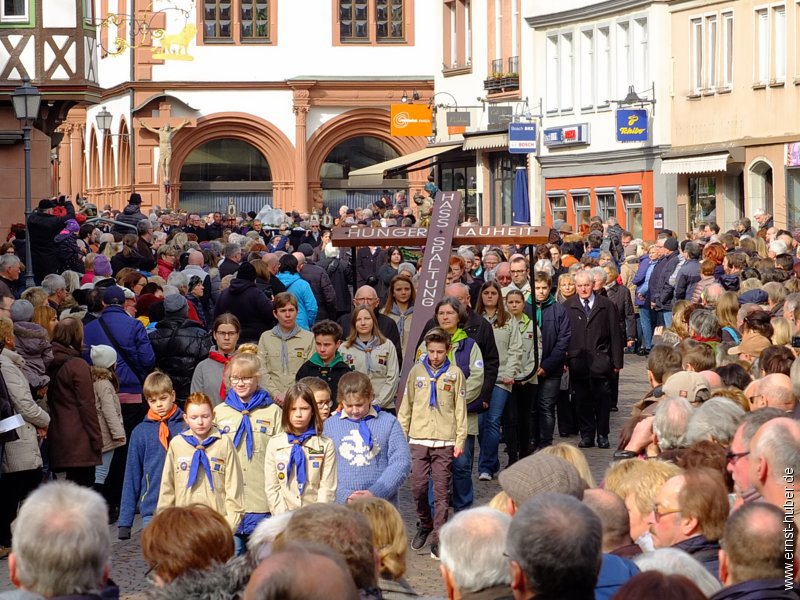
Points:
[671,244]
[193,281]
[306,249]
[72,226]
[144,303]
[174,303]
[21,310]
[540,474]
[102,266]
[103,356]
[114,295]
[246,271]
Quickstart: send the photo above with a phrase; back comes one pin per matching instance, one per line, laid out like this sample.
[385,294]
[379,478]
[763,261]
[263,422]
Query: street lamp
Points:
[104,119]
[26,100]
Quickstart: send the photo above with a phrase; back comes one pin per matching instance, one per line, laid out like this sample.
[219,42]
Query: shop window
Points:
[606,203]
[793,199]
[702,200]
[558,206]
[461,178]
[504,169]
[583,209]
[373,22]
[632,200]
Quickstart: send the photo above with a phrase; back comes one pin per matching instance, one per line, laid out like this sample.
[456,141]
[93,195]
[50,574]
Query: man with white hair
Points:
[10,269]
[775,460]
[61,544]
[471,547]
[56,288]
[775,390]
[233,256]
[764,220]
[776,248]
[671,422]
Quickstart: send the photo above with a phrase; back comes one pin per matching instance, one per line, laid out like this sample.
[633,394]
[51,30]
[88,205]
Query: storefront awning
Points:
[374,174]
[486,142]
[709,163]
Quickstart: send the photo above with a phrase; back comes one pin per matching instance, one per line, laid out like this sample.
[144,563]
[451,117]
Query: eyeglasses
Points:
[657,515]
[732,457]
[226,333]
[237,380]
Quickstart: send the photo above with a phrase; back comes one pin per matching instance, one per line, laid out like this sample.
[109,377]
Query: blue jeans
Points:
[101,470]
[666,316]
[647,317]
[462,477]
[489,432]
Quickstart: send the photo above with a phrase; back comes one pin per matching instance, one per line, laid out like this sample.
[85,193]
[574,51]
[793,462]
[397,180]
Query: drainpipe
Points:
[132,77]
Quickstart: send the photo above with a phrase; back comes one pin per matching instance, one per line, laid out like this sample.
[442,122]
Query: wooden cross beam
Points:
[438,240]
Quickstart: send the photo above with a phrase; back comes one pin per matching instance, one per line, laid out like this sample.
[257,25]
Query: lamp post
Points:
[26,100]
[104,119]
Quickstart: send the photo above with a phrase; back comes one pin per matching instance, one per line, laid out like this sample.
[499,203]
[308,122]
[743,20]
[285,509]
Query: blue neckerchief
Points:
[260,399]
[401,321]
[298,458]
[434,377]
[199,458]
[363,430]
[367,348]
[285,337]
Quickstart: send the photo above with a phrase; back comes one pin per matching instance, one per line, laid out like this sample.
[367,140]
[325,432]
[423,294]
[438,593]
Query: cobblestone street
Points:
[129,568]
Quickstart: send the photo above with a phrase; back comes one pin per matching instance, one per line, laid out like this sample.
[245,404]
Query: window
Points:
[552,73]
[632,201]
[702,200]
[624,78]
[498,29]
[587,68]
[457,35]
[372,22]
[697,55]
[606,203]
[567,64]
[727,50]
[762,46]
[779,27]
[793,198]
[238,21]
[603,66]
[641,79]
[14,11]
[558,205]
[711,52]
[583,208]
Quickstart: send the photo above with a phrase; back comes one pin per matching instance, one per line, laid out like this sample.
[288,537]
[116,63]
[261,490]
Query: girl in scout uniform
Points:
[368,352]
[202,466]
[399,305]
[509,346]
[249,418]
[284,348]
[300,463]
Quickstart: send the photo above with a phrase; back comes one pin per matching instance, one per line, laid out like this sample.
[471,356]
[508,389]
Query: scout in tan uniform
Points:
[202,466]
[400,306]
[300,466]
[284,348]
[249,418]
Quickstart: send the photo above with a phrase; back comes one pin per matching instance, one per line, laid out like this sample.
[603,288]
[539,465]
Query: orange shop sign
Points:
[412,120]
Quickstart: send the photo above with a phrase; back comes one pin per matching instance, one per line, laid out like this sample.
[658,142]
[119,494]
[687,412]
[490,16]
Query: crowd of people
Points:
[218,377]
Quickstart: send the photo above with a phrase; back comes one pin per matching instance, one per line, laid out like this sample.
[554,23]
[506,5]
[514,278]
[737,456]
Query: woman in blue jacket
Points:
[300,289]
[642,282]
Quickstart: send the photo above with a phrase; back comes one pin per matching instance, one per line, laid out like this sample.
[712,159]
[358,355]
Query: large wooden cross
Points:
[438,240]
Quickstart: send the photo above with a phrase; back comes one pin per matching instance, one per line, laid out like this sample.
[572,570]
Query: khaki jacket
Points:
[226,498]
[406,328]
[273,378]
[448,420]
[385,373]
[509,348]
[266,422]
[109,412]
[322,480]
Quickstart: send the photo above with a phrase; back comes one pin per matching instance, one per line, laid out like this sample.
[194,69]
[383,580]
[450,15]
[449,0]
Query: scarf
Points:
[541,305]
[298,458]
[199,458]
[401,321]
[367,348]
[363,430]
[285,337]
[163,428]
[223,360]
[260,399]
[434,378]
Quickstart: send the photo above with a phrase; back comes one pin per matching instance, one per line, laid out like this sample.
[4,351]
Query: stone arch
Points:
[109,178]
[263,135]
[124,156]
[94,164]
[760,184]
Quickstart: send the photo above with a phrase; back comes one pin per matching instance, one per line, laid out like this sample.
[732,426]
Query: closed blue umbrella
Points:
[520,205]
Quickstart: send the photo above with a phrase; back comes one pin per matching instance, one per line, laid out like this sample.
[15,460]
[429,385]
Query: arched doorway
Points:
[223,170]
[94,164]
[349,155]
[761,194]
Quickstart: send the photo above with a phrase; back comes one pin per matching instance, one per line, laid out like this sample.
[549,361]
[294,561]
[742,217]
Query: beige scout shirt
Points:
[447,421]
[226,498]
[322,479]
[266,422]
[385,372]
[274,378]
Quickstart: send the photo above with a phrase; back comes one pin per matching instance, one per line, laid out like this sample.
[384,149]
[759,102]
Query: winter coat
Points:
[661,292]
[368,263]
[340,274]
[306,302]
[133,260]
[387,326]
[22,454]
[700,287]
[74,437]
[595,347]
[758,589]
[641,281]
[274,378]
[556,333]
[270,288]
[627,272]
[384,374]
[217,582]
[614,572]
[322,289]
[509,347]
[32,343]
[228,267]
[70,256]
[703,551]
[130,215]
[330,373]
[109,413]
[622,301]
[253,309]
[688,276]
[385,275]
[131,336]
[145,250]
[164,268]
[43,228]
[179,345]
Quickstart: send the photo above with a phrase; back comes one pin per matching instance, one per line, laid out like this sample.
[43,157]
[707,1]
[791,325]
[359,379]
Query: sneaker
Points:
[420,538]
[435,550]
[485,477]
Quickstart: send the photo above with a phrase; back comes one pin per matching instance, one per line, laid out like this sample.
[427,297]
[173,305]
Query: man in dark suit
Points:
[594,355]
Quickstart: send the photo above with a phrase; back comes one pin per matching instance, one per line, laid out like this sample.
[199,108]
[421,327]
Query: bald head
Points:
[301,258]
[776,392]
[366,294]
[613,516]
[774,453]
[713,379]
[196,258]
[460,292]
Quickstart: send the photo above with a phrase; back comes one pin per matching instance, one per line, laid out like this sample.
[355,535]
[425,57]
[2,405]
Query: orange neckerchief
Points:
[163,429]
